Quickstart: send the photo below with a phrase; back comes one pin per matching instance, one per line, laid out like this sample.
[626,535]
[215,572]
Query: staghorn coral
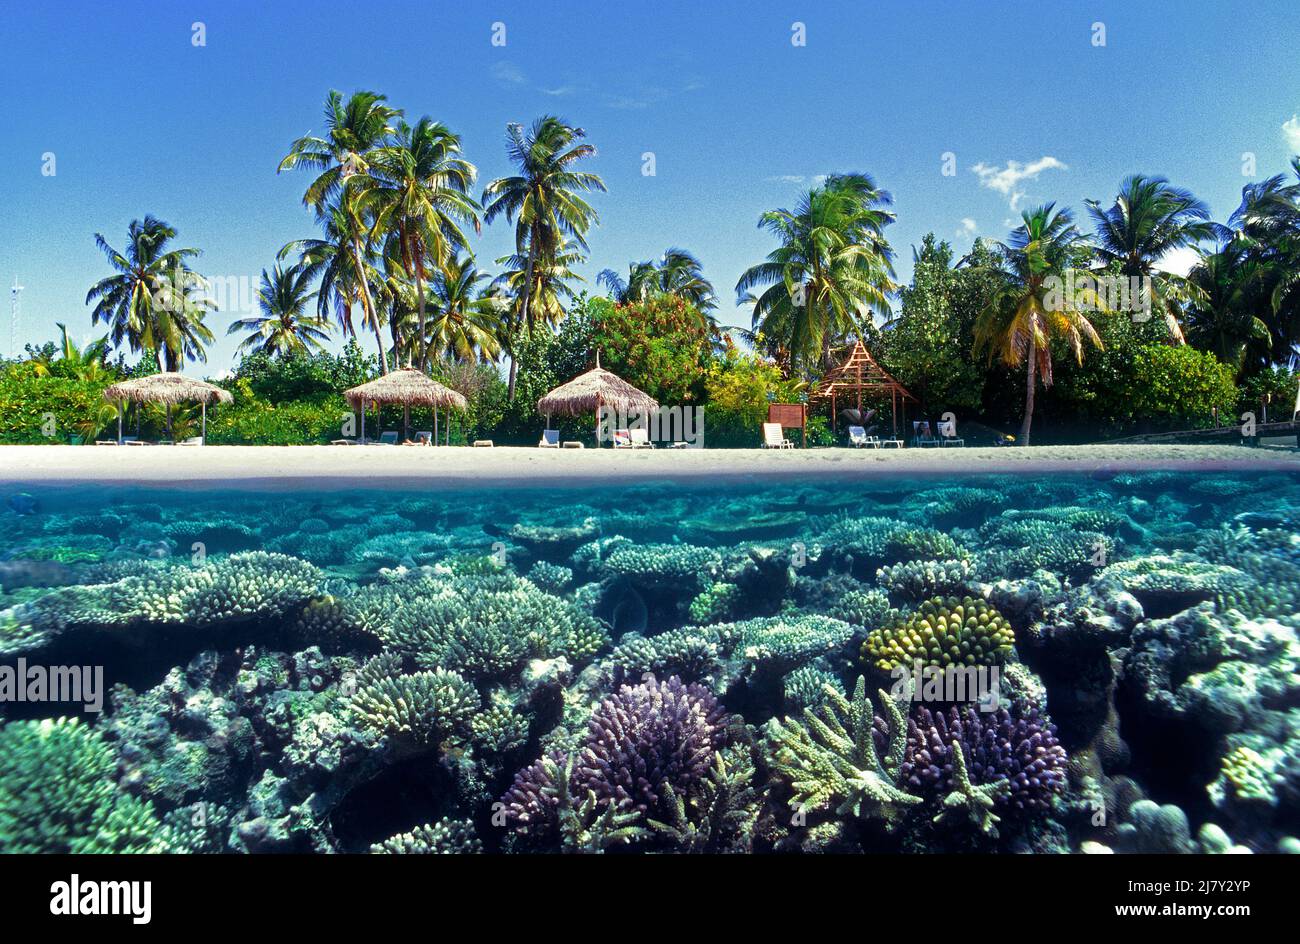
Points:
[550,578]
[715,604]
[831,758]
[722,817]
[941,633]
[446,837]
[805,687]
[542,802]
[57,794]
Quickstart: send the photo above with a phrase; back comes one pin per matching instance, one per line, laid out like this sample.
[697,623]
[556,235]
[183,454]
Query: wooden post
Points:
[204,436]
[804,410]
[119,422]
[363,423]
[833,432]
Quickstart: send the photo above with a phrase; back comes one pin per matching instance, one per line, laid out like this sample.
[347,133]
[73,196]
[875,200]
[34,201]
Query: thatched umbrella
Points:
[409,387]
[168,388]
[590,391]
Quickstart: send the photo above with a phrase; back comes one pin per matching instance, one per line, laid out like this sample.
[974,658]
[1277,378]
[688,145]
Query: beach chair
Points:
[922,435]
[622,439]
[858,438]
[550,439]
[424,437]
[482,444]
[389,438]
[774,438]
[192,441]
[641,438]
[948,435]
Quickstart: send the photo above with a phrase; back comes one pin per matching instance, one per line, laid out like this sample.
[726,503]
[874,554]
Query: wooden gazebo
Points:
[857,374]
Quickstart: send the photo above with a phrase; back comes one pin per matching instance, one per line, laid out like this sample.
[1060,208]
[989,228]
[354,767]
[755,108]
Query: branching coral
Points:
[546,798]
[831,759]
[941,633]
[422,708]
[446,837]
[922,580]
[721,818]
[57,794]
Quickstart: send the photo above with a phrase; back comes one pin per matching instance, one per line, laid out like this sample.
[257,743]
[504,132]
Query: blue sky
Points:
[738,118]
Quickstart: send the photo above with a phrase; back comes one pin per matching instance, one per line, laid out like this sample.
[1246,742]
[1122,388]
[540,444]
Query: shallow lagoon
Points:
[658,667]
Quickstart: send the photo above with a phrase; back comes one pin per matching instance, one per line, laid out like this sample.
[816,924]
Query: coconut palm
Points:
[420,195]
[1148,220]
[1267,228]
[153,302]
[283,327]
[678,273]
[548,293]
[333,259]
[1028,308]
[466,322]
[543,201]
[832,267]
[1233,289]
[83,363]
[354,130]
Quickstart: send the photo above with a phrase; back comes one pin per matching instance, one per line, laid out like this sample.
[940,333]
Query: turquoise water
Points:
[655,668]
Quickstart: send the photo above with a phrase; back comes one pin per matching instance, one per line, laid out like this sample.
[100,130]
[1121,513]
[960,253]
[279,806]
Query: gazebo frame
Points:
[859,372]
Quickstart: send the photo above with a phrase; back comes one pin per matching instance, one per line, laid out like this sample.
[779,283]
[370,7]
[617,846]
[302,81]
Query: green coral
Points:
[664,566]
[942,632]
[57,794]
[722,816]
[805,687]
[967,801]
[866,608]
[421,709]
[830,758]
[716,604]
[446,837]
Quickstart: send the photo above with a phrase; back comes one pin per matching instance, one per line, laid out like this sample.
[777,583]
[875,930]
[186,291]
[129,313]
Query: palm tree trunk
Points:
[1029,391]
[367,305]
[523,314]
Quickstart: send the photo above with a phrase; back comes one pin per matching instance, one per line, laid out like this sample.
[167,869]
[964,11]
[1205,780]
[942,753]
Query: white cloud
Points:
[1291,131]
[968,227]
[1007,180]
[1178,261]
[506,73]
[816,179]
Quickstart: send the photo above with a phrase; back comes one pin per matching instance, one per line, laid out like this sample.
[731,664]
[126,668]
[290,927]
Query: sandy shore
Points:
[347,467]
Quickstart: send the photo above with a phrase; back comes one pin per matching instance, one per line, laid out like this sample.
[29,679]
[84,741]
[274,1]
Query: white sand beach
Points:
[349,467]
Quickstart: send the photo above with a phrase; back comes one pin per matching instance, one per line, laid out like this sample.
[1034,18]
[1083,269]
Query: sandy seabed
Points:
[376,466]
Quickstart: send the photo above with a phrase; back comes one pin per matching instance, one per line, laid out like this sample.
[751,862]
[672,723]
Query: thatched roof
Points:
[596,388]
[167,388]
[409,387]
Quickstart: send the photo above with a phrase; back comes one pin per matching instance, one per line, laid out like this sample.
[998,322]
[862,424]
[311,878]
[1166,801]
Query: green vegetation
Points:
[1076,336]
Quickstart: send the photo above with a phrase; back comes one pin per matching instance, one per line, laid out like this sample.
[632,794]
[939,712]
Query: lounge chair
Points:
[422,438]
[106,442]
[858,438]
[482,444]
[922,435]
[389,438]
[948,435]
[572,444]
[641,438]
[774,438]
[192,441]
[344,442]
[550,439]
[622,439]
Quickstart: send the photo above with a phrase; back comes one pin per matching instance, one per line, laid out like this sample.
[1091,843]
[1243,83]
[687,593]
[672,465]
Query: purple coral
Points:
[998,745]
[638,740]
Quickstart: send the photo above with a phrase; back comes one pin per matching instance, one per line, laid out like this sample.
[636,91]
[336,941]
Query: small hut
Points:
[409,387]
[861,374]
[589,392]
[168,388]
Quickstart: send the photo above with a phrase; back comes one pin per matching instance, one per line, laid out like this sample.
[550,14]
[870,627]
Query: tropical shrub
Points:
[737,390]
[31,404]
[661,345]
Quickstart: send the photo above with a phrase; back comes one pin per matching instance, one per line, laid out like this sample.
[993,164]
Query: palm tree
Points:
[678,273]
[1268,232]
[421,195]
[354,130]
[547,293]
[466,323]
[543,201]
[1232,289]
[151,303]
[831,268]
[283,327]
[83,363]
[1028,308]
[333,259]
[1148,220]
